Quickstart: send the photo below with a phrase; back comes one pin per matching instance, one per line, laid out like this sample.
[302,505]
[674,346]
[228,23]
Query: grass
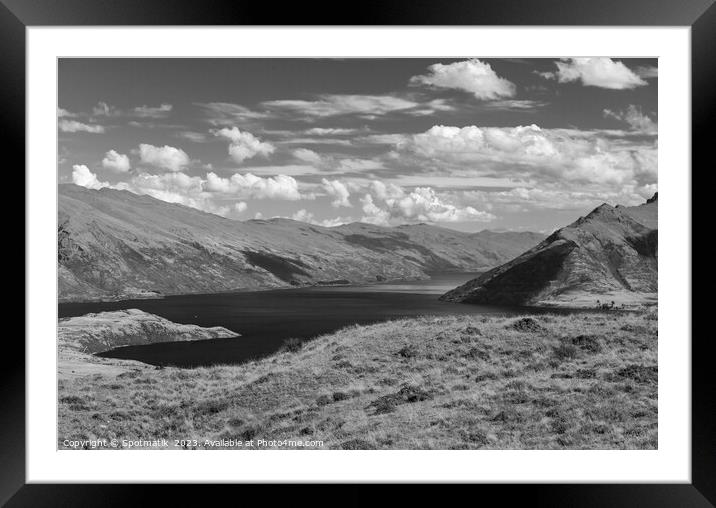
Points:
[580,381]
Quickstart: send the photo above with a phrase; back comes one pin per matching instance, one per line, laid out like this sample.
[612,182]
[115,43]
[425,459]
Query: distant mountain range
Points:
[611,254]
[116,244]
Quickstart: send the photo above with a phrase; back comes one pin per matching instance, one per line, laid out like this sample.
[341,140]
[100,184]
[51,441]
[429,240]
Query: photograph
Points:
[270,253]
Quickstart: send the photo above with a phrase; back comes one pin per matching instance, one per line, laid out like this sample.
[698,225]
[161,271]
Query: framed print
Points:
[419,247]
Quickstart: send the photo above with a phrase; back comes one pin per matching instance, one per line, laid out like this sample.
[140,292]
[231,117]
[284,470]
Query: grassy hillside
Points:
[537,382]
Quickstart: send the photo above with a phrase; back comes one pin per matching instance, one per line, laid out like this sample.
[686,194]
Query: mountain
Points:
[611,254]
[116,244]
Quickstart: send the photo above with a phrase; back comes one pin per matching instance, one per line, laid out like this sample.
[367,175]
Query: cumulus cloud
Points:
[473,76]
[389,204]
[531,152]
[211,194]
[252,186]
[176,187]
[165,157]
[75,126]
[304,215]
[81,175]
[115,161]
[338,191]
[307,155]
[244,145]
[599,72]
[636,120]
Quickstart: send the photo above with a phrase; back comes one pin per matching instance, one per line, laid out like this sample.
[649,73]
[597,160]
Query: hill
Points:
[579,381]
[611,254]
[116,244]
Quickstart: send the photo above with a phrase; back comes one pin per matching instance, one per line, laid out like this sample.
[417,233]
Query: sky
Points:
[469,144]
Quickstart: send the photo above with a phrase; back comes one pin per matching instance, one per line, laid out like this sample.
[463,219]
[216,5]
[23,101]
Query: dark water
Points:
[265,319]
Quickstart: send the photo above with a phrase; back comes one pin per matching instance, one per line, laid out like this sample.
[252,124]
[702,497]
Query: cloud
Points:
[176,187]
[636,120]
[599,72]
[75,126]
[336,221]
[529,151]
[252,186]
[390,205]
[307,155]
[104,109]
[473,76]
[63,113]
[335,164]
[244,145]
[195,137]
[115,161]
[165,157]
[331,131]
[524,106]
[317,141]
[284,169]
[647,72]
[212,194]
[226,114]
[145,111]
[81,175]
[304,215]
[338,191]
[352,165]
[527,199]
[333,105]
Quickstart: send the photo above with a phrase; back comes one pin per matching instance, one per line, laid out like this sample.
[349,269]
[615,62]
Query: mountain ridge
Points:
[115,244]
[611,253]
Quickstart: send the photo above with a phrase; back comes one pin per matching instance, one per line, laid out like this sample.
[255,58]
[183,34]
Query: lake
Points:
[265,319]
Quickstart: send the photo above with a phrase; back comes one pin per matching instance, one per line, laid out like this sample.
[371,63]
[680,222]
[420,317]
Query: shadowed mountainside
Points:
[611,253]
[116,244]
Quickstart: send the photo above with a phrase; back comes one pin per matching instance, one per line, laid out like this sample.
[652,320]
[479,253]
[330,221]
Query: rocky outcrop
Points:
[611,251]
[116,245]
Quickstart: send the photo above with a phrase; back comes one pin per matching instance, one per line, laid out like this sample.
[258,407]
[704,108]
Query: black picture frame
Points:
[700,15]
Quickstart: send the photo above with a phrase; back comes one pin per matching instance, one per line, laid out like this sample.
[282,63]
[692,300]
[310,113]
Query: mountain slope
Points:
[612,253]
[115,244]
